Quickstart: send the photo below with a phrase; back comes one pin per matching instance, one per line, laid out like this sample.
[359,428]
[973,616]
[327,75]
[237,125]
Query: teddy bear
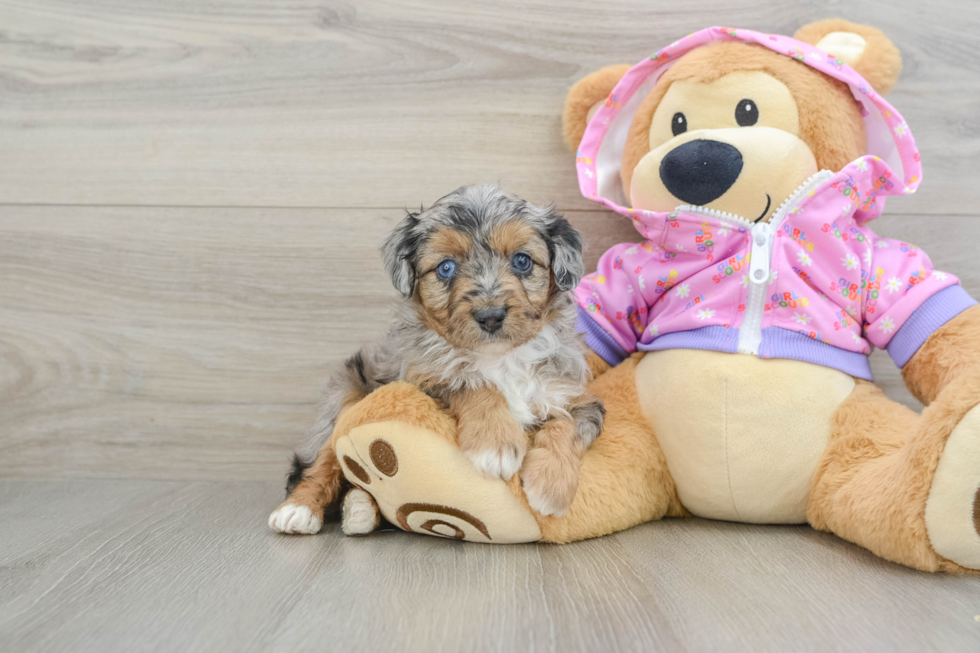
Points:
[730,345]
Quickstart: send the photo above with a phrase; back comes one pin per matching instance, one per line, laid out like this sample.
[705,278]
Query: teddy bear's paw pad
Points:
[359,514]
[296,519]
[423,483]
[444,521]
[953,507]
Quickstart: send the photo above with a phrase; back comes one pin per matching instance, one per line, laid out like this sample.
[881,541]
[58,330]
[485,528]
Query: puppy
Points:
[487,328]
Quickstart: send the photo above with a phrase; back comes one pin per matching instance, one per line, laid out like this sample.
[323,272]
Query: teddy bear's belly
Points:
[742,435]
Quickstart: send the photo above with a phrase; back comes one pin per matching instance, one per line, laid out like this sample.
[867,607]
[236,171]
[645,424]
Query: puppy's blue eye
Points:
[522,262]
[446,269]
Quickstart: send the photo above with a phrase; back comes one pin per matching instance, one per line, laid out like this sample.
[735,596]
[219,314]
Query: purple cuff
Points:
[932,314]
[599,341]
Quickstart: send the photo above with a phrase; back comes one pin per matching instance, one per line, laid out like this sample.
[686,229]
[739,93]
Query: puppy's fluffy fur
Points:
[488,329]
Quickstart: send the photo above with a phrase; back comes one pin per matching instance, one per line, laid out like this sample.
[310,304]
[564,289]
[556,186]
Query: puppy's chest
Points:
[530,394]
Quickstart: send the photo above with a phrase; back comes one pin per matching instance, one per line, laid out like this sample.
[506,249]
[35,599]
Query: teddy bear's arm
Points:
[951,352]
[921,315]
[597,365]
[616,301]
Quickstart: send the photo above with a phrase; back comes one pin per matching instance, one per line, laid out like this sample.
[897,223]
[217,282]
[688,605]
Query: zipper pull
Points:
[759,266]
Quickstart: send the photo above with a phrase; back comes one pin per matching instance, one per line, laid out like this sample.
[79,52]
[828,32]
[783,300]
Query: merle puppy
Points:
[487,327]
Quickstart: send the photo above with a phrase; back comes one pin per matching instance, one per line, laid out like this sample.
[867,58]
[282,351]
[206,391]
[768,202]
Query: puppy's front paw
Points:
[550,481]
[495,444]
[504,461]
[294,518]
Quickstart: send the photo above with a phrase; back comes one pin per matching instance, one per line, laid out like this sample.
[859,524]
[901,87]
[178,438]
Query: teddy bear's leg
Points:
[872,486]
[399,451]
[597,366]
[400,448]
[945,372]
[623,480]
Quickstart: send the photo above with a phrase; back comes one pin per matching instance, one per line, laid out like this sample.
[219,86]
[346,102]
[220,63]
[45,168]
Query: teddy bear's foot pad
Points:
[423,483]
[953,508]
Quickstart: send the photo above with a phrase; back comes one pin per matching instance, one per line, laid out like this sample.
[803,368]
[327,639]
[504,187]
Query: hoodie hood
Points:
[600,152]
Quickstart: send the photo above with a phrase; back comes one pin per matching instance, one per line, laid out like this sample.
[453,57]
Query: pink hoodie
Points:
[813,284]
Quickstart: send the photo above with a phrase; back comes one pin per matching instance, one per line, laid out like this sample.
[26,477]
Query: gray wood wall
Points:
[192,192]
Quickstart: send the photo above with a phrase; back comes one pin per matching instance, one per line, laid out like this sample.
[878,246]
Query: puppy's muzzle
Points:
[491,318]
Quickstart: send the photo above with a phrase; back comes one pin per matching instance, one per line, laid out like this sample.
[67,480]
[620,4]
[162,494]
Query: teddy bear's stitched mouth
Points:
[765,210]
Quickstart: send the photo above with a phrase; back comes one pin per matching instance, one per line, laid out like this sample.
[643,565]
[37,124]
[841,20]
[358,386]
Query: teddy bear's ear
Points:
[863,48]
[584,99]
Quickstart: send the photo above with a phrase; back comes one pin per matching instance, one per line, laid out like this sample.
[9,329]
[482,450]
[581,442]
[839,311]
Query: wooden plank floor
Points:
[146,565]
[191,198]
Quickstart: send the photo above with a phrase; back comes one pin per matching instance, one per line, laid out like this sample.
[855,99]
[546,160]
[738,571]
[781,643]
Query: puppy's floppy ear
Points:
[865,49]
[564,248]
[398,252]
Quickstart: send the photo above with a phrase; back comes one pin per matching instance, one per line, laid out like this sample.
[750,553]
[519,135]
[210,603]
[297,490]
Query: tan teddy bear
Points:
[731,344]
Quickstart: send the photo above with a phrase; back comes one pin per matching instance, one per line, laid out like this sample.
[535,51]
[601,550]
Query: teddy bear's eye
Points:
[746,113]
[678,124]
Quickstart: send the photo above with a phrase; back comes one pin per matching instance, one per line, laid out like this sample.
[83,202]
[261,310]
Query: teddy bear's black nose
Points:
[700,171]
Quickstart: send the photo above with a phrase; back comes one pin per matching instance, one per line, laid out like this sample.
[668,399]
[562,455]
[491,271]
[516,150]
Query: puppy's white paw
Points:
[493,463]
[294,518]
[550,481]
[359,513]
[543,504]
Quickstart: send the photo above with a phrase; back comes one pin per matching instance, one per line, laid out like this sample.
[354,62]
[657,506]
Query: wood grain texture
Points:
[386,103]
[183,343]
[191,343]
[169,308]
[89,565]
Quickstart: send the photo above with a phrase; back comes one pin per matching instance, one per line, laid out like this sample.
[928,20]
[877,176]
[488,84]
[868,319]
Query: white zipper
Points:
[760,260]
[760,265]
[714,213]
[750,334]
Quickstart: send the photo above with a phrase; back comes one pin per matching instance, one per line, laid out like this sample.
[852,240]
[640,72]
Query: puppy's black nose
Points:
[700,171]
[490,319]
